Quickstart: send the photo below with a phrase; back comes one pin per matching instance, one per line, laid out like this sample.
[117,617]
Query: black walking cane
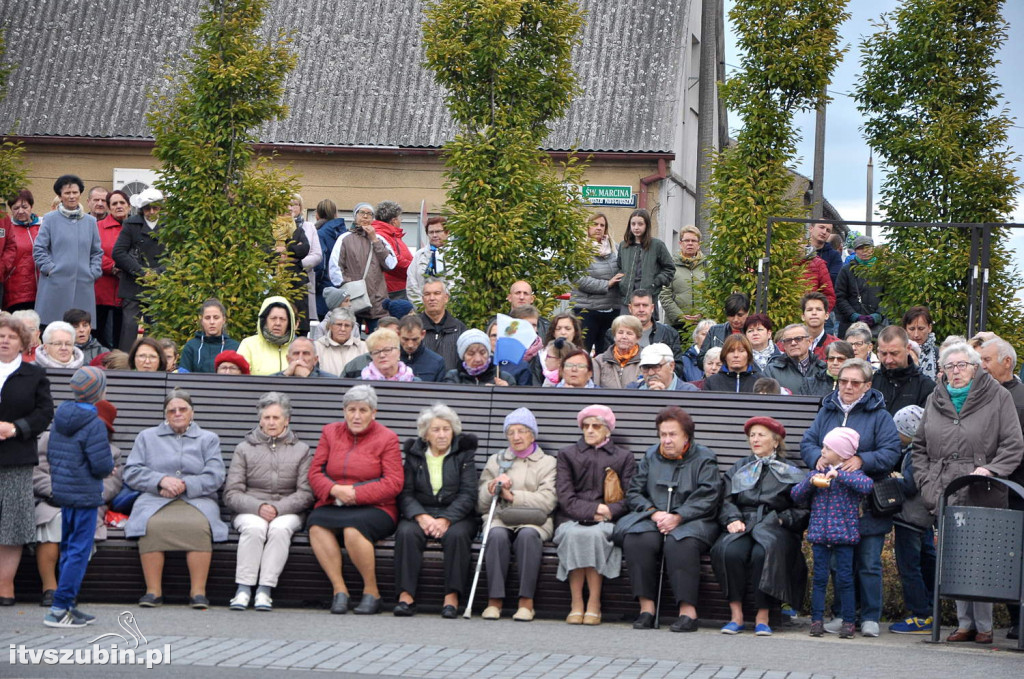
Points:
[664,539]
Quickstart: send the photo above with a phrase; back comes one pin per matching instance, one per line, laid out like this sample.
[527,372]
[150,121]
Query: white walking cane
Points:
[503,466]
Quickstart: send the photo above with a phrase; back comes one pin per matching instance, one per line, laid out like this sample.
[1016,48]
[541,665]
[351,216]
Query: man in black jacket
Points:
[737,306]
[901,382]
[442,328]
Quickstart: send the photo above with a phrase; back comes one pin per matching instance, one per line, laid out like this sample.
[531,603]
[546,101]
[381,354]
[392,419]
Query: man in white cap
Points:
[136,252]
[657,370]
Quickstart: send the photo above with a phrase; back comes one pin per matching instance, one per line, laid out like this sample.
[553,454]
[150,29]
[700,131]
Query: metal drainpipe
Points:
[660,175]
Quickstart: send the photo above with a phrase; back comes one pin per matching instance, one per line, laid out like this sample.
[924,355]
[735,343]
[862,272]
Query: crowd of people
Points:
[896,407]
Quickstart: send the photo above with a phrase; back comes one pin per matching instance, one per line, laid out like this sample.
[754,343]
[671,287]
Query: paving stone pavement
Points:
[291,643]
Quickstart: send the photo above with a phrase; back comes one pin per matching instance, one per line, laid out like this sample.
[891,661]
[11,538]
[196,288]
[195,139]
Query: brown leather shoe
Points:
[964,635]
[983,638]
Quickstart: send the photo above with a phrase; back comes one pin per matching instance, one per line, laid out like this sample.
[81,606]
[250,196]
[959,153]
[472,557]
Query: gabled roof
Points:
[84,68]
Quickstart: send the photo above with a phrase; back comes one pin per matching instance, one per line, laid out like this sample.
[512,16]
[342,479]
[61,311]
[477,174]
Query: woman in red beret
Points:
[763,528]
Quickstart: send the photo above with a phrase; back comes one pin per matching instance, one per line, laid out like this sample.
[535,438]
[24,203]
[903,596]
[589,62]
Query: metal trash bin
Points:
[980,553]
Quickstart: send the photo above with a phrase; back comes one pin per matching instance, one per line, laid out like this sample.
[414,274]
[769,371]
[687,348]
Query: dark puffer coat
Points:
[457,498]
[79,456]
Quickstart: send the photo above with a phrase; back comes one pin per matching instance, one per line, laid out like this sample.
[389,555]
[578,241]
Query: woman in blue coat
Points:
[68,255]
[856,405]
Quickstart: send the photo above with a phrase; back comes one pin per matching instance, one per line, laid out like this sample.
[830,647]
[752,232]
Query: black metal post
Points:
[972,282]
[986,263]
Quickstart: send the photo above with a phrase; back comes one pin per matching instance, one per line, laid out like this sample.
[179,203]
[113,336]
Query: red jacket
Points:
[821,351]
[371,461]
[818,279]
[395,278]
[106,284]
[17,267]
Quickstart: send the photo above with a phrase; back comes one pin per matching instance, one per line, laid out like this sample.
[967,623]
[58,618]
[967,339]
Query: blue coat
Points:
[69,258]
[79,456]
[426,364]
[879,447]
[194,457]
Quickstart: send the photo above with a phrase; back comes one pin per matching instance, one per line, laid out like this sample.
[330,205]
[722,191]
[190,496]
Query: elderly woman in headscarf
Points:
[68,255]
[521,479]
[476,368]
[763,528]
[590,481]
[438,502]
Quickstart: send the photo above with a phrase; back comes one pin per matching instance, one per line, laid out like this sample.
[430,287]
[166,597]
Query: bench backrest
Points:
[225,405]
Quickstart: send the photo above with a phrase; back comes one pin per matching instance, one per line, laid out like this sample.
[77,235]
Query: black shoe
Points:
[199,602]
[644,621]
[1013,633]
[339,605]
[150,600]
[685,624]
[47,600]
[368,605]
[6,601]
[449,612]
[403,609]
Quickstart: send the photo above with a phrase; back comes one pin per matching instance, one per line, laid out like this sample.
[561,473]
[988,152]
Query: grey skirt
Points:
[17,506]
[587,547]
[177,527]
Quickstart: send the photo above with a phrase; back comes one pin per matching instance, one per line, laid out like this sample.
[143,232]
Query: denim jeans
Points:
[77,526]
[843,582]
[915,559]
[868,558]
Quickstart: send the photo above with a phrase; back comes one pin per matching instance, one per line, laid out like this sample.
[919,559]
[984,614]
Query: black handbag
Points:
[886,498]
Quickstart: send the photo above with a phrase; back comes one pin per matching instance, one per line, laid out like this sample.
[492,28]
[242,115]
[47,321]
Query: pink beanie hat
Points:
[603,413]
[844,441]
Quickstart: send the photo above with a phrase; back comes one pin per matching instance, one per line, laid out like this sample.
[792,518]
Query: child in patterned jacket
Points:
[836,495]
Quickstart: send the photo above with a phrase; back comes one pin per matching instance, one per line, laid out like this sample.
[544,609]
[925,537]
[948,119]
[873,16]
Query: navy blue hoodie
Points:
[79,455]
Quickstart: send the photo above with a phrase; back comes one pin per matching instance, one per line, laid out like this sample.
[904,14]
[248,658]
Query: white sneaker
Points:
[240,602]
[263,602]
[834,625]
[869,628]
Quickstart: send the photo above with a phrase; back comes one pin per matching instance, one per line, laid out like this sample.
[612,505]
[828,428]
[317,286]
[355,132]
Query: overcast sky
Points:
[846,153]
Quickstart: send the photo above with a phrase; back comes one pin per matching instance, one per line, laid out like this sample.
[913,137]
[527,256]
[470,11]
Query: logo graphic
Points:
[127,622]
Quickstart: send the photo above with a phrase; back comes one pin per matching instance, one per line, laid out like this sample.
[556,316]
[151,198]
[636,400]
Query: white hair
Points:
[960,348]
[1006,350]
[438,411]
[57,326]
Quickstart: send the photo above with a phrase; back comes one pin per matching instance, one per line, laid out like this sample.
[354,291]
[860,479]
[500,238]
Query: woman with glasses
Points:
[856,299]
[385,358]
[860,338]
[147,356]
[476,367]
[341,343]
[619,365]
[857,406]
[837,353]
[58,349]
[970,426]
[591,478]
[362,254]
[681,298]
[577,371]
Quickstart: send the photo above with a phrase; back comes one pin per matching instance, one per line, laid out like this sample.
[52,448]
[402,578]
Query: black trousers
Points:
[410,541]
[528,547]
[594,325]
[108,325]
[682,564]
[744,561]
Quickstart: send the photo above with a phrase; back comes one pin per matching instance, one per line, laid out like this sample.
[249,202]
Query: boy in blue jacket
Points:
[79,456]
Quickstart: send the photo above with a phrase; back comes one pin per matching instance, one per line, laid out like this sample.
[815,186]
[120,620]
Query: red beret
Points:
[107,412]
[770,423]
[232,357]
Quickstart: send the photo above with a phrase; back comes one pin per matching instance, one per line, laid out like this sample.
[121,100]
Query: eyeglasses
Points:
[794,340]
[858,345]
[591,425]
[382,351]
[146,358]
[575,366]
[650,368]
[366,213]
[959,366]
[850,383]
[61,345]
[835,358]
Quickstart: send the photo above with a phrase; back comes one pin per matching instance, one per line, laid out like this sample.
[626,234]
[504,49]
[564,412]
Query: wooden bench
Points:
[226,406]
